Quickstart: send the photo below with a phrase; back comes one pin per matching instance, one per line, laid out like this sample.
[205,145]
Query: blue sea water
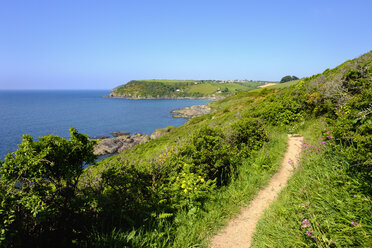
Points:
[38,113]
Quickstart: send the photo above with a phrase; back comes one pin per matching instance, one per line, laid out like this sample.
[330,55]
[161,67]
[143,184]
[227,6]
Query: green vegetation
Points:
[177,190]
[181,88]
[328,200]
[39,200]
[325,205]
[288,78]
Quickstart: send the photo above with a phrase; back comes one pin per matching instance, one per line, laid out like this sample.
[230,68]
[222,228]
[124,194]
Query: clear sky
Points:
[89,44]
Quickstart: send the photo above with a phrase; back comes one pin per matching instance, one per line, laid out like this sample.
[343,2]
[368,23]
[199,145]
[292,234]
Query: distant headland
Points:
[182,89]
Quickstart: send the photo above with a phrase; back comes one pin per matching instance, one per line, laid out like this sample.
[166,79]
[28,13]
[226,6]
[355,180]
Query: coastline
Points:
[213,98]
[123,141]
[46,112]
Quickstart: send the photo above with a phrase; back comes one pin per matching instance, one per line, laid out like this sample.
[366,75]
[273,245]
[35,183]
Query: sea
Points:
[42,112]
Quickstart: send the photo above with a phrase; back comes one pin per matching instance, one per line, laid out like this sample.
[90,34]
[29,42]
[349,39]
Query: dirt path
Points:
[239,231]
[266,85]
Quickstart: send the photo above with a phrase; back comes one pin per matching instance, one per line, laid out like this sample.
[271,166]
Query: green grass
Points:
[283,85]
[171,82]
[195,230]
[206,88]
[195,227]
[144,153]
[148,200]
[322,192]
[276,86]
[242,99]
[227,110]
[211,88]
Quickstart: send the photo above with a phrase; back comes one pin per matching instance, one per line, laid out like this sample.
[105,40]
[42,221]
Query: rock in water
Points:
[118,134]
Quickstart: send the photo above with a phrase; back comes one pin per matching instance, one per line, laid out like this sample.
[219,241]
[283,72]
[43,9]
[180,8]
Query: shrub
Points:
[39,201]
[288,78]
[247,134]
[188,190]
[281,109]
[211,156]
[125,200]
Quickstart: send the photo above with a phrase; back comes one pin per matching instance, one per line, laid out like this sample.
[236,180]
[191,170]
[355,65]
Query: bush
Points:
[125,199]
[288,78]
[39,204]
[281,109]
[211,156]
[188,190]
[247,134]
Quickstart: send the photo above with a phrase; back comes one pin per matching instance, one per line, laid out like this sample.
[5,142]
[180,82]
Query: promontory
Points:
[181,89]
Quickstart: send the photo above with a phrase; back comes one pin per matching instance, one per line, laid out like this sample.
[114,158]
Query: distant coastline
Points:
[181,89]
[213,98]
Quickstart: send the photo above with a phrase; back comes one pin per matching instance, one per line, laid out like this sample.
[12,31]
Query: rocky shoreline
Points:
[122,140]
[190,112]
[118,144]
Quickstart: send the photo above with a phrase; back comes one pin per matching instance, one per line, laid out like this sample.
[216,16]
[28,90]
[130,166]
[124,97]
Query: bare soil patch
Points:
[266,85]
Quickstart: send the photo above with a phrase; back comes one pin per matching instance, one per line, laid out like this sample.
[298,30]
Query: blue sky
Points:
[88,44]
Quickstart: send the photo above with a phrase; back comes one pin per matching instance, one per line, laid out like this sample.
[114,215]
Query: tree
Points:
[38,185]
[288,78]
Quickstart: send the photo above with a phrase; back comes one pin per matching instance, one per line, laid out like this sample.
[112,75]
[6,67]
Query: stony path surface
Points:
[239,231]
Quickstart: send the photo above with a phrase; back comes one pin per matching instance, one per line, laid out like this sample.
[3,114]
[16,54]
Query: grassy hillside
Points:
[180,88]
[326,204]
[334,168]
[178,190]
